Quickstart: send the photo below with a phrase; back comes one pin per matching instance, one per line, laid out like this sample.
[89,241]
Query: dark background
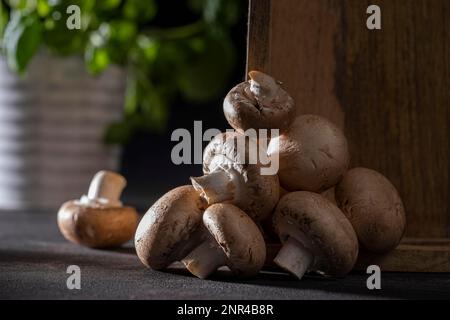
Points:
[146,161]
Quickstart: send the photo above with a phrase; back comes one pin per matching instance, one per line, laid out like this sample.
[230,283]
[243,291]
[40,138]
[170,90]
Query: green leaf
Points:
[22,39]
[197,44]
[119,132]
[57,37]
[194,59]
[43,8]
[20,4]
[195,5]
[3,19]
[140,10]
[149,47]
[108,4]
[97,59]
[205,77]
[131,96]
[154,109]
[122,31]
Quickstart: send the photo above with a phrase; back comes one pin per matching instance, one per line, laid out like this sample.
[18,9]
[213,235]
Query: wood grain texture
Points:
[396,102]
[389,89]
[258,35]
[423,257]
[304,35]
[413,255]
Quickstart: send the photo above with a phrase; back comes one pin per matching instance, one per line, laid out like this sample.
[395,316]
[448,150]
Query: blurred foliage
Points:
[193,59]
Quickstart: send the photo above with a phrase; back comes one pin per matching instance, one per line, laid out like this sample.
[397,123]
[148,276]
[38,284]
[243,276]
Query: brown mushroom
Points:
[313,154]
[170,228]
[233,240]
[316,236]
[329,194]
[374,207]
[99,219]
[230,176]
[259,103]
[283,192]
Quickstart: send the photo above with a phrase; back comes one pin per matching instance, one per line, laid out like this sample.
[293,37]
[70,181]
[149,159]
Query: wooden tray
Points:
[412,255]
[387,89]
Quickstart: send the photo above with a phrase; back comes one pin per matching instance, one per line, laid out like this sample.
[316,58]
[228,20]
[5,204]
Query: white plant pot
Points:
[52,123]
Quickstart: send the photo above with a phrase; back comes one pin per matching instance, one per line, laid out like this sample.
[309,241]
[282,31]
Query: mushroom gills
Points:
[294,258]
[205,259]
[217,186]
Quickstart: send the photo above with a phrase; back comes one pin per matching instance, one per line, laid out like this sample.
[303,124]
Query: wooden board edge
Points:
[412,255]
[258,36]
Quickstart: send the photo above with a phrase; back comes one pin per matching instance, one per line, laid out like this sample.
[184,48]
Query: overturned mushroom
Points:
[259,103]
[374,207]
[231,177]
[99,219]
[313,154]
[170,228]
[233,240]
[316,236]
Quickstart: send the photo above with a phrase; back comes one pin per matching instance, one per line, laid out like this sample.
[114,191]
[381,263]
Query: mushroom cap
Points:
[164,230]
[258,194]
[243,111]
[97,226]
[330,194]
[321,227]
[238,236]
[374,208]
[313,154]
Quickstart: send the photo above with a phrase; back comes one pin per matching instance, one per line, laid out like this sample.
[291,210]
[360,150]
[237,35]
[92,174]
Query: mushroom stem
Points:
[262,86]
[205,259]
[106,185]
[294,258]
[217,186]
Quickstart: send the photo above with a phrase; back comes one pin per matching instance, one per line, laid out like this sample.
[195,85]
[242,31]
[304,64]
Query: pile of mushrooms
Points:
[322,213]
[217,220]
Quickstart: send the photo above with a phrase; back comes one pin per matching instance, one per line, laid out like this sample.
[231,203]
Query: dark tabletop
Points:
[34,258]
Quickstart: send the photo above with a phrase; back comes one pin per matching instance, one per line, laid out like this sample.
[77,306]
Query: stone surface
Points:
[34,258]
